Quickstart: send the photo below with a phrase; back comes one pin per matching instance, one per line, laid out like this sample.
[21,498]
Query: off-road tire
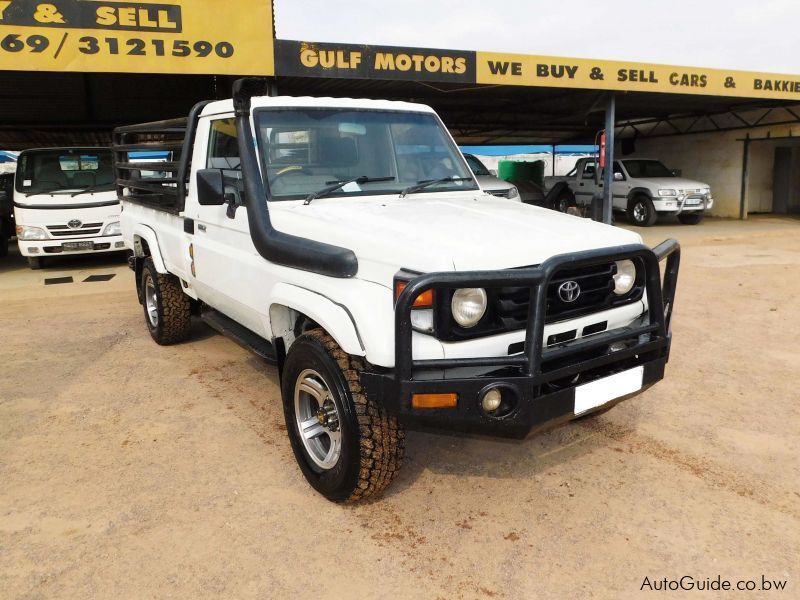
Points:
[35,262]
[648,211]
[174,307]
[373,442]
[691,218]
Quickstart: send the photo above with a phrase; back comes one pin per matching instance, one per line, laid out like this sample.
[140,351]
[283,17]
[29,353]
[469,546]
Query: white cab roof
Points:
[226,106]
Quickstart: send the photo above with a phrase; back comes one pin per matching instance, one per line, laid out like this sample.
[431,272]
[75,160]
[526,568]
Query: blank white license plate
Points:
[597,393]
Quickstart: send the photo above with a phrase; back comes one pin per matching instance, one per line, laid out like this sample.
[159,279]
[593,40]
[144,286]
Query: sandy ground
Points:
[128,470]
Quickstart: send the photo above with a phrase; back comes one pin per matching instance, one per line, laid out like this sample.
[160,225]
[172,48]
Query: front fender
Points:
[639,191]
[288,300]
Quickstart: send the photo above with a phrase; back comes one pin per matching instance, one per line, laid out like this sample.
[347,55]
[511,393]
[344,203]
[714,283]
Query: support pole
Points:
[608,175]
[745,177]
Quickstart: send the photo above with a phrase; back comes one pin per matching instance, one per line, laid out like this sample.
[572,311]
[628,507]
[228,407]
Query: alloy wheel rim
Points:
[151,302]
[317,419]
[639,212]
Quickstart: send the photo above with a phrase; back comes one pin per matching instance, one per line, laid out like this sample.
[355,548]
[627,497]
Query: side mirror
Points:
[210,187]
[493,172]
[618,177]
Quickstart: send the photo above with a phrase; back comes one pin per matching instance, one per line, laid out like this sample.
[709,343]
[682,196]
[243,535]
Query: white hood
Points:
[443,232]
[671,183]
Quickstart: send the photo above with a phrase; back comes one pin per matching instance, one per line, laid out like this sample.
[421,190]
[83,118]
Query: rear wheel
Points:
[35,262]
[641,211]
[167,310]
[3,245]
[691,218]
[345,443]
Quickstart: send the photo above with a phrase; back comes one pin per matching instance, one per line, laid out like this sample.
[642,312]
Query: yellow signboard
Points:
[548,71]
[171,36]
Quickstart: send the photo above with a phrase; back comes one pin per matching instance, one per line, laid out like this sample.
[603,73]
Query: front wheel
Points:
[167,310]
[35,262]
[642,212]
[345,443]
[692,218]
[564,203]
[3,246]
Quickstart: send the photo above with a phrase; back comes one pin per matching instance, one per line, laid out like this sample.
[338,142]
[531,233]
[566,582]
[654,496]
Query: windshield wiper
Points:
[49,190]
[340,184]
[90,189]
[421,185]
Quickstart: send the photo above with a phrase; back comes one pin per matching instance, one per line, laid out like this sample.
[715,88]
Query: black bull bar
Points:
[537,375]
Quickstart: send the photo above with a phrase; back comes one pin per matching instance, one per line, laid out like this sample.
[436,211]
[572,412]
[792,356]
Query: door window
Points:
[223,154]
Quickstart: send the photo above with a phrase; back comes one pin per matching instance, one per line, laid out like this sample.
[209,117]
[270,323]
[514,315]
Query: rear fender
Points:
[145,243]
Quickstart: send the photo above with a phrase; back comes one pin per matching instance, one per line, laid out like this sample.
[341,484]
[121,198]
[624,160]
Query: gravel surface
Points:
[130,470]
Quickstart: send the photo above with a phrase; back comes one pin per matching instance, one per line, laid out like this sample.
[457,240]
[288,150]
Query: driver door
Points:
[229,274]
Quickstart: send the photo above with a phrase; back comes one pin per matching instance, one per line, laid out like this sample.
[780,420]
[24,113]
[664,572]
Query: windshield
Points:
[647,168]
[306,151]
[477,166]
[65,170]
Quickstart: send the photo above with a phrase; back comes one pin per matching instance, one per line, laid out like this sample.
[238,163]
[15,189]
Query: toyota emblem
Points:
[74,224]
[569,291]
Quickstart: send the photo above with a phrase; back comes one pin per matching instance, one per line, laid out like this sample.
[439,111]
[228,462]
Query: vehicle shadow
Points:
[84,261]
[449,453]
[15,261]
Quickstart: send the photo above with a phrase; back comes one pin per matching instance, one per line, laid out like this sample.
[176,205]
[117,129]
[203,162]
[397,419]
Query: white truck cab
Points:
[65,202]
[348,242]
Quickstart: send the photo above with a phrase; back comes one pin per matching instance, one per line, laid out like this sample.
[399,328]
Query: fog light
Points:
[33,250]
[492,400]
[119,244]
[617,346]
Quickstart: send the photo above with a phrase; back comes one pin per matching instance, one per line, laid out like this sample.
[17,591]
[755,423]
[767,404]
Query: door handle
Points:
[201,227]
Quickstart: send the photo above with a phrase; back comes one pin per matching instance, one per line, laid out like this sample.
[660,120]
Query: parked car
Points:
[643,188]
[489,182]
[65,202]
[390,291]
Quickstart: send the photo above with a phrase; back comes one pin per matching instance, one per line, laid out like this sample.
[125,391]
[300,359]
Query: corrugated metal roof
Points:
[51,109]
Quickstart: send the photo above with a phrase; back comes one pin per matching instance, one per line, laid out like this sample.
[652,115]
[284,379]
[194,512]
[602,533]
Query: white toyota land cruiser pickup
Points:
[348,241]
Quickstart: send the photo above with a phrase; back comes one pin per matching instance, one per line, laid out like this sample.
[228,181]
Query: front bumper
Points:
[677,206]
[111,243]
[540,385]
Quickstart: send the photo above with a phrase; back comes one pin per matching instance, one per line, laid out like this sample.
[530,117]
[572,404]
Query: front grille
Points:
[86,229]
[596,294]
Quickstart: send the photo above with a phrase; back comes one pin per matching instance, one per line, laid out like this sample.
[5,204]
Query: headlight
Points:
[667,193]
[112,229]
[26,233]
[625,277]
[706,191]
[512,192]
[468,306]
